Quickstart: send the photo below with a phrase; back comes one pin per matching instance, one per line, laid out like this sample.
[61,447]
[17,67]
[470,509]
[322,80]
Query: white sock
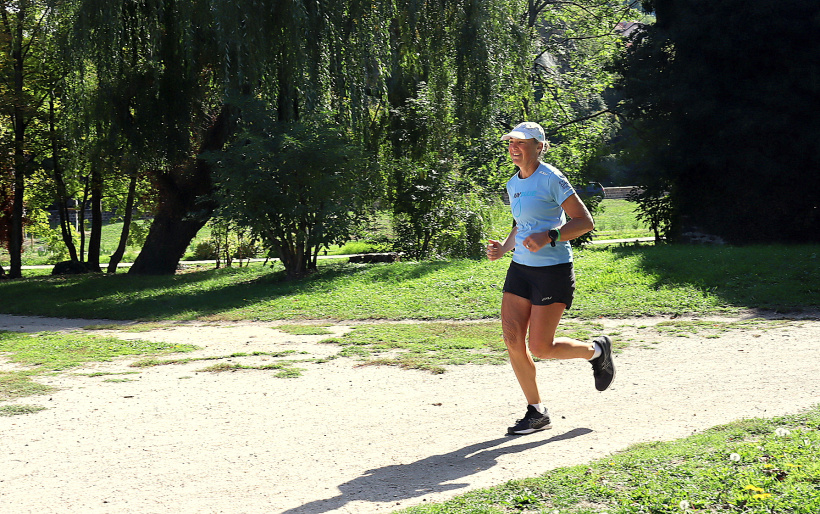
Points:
[539,407]
[597,348]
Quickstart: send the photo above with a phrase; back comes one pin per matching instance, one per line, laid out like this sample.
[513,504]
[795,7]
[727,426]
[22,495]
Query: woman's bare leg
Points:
[515,318]
[544,321]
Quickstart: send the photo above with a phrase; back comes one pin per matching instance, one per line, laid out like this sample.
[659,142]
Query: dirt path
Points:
[368,439]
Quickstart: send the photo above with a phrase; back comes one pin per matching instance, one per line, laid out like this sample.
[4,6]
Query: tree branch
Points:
[583,118]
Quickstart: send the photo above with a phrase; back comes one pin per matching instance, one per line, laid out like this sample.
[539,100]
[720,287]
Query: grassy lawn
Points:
[612,282]
[618,221]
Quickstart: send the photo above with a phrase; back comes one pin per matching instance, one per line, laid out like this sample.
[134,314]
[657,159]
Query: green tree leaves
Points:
[719,94]
[297,186]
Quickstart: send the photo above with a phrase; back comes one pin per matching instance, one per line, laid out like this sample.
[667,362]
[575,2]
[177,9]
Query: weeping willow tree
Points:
[169,72]
[424,87]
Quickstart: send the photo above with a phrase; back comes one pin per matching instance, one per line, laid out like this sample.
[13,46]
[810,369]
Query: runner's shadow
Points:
[429,475]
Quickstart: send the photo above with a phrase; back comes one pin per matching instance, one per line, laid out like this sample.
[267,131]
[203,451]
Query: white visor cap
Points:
[526,130]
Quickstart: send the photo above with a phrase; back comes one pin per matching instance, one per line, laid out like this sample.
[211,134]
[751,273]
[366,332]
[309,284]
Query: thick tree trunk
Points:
[116,257]
[184,206]
[19,123]
[93,259]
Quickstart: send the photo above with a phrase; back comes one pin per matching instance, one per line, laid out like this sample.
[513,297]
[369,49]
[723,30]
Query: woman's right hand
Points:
[494,250]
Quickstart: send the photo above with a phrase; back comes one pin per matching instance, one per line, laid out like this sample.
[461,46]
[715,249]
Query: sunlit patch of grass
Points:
[152,361]
[424,345]
[714,329]
[56,351]
[18,410]
[46,352]
[107,373]
[432,345]
[18,384]
[755,466]
[130,327]
[285,369]
[613,281]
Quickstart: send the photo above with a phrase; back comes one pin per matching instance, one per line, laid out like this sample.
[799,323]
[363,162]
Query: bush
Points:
[204,251]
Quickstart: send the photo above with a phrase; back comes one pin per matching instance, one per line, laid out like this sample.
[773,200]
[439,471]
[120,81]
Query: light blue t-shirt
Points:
[535,203]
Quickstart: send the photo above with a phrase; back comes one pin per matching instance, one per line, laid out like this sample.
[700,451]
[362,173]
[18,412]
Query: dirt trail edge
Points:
[370,439]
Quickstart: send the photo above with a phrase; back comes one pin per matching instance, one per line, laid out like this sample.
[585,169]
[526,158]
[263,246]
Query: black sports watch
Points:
[554,235]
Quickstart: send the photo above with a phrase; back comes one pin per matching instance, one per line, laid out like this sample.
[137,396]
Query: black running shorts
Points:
[542,285]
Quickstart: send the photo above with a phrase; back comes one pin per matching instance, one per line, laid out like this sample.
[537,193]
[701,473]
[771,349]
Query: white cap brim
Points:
[515,134]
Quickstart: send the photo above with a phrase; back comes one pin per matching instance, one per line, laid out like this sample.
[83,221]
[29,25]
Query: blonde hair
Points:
[544,148]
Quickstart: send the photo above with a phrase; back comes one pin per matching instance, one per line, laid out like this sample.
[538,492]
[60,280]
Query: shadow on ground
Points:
[430,475]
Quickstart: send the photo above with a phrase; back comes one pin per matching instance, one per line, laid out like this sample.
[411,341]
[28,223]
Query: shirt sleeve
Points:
[560,188]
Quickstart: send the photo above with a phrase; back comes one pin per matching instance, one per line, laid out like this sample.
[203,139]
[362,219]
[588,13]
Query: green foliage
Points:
[711,126]
[655,209]
[50,239]
[434,216]
[295,186]
[225,243]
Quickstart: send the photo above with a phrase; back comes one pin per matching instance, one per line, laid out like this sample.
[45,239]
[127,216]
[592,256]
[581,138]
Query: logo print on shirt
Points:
[516,206]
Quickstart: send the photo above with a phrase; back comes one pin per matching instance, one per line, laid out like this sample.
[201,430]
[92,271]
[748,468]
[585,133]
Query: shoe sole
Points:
[528,430]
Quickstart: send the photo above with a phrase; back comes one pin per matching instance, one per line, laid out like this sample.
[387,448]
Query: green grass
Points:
[752,466]
[430,346]
[18,384]
[53,351]
[614,281]
[17,410]
[618,221]
[47,352]
[774,471]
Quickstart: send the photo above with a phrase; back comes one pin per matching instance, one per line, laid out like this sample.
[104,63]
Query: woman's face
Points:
[524,152]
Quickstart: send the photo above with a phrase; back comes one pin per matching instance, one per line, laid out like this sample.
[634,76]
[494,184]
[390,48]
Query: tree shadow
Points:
[776,277]
[428,475]
[201,293]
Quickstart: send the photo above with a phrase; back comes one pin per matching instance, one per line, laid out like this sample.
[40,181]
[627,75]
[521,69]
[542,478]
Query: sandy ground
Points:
[370,439]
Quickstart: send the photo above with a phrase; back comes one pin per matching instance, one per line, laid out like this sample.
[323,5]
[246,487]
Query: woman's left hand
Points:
[537,241]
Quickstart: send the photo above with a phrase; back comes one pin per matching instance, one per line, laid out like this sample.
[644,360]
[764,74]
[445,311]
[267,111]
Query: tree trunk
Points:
[184,206]
[59,181]
[81,220]
[93,258]
[116,257]
[19,124]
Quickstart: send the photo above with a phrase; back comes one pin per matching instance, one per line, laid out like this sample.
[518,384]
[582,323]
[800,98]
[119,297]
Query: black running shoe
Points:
[603,369]
[532,422]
